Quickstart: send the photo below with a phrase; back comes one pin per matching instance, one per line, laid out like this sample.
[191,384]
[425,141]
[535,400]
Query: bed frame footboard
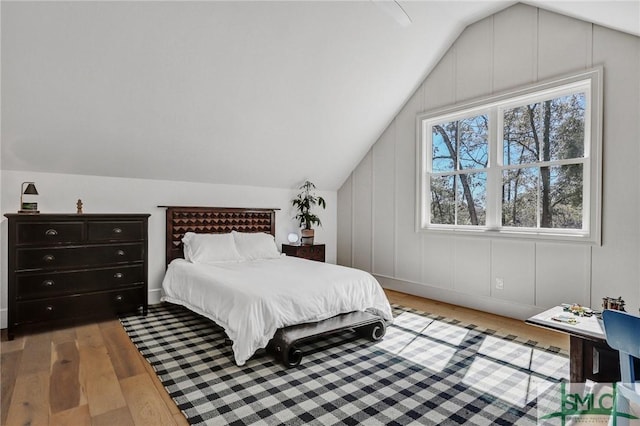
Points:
[284,345]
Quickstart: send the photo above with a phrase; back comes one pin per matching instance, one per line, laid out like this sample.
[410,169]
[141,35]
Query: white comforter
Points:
[252,299]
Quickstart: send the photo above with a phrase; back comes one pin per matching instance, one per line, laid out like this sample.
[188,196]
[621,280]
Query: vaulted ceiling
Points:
[251,93]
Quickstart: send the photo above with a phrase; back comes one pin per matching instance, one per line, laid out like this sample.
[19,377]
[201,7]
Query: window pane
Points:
[519,146]
[472,196]
[443,204]
[465,139]
[473,146]
[567,127]
[519,197]
[561,197]
[443,153]
[544,131]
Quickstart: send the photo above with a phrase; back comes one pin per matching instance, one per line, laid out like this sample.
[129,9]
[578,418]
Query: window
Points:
[524,164]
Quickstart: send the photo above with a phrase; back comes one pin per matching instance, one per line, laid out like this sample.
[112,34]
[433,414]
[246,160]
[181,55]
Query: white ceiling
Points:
[250,93]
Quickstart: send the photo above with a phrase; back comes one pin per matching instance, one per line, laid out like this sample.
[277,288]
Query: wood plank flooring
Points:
[93,375]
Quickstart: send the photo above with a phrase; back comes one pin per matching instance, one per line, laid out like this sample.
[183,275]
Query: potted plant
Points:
[304,202]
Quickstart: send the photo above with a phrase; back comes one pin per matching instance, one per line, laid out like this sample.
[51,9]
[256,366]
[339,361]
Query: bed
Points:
[261,298]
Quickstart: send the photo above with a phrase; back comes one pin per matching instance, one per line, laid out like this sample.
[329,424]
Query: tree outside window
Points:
[542,133]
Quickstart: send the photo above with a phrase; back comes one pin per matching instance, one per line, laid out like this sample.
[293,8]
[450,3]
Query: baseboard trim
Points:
[482,303]
[154,296]
[4,318]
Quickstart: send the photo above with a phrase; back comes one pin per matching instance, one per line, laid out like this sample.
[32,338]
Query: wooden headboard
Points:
[213,220]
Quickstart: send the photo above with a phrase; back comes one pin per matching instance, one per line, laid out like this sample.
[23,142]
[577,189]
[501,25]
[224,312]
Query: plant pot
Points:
[307,236]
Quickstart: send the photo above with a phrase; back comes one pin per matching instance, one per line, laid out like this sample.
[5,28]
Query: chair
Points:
[623,334]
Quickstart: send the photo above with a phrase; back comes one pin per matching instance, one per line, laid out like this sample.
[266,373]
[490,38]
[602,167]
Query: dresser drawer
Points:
[49,233]
[34,286]
[66,257]
[116,230]
[76,306]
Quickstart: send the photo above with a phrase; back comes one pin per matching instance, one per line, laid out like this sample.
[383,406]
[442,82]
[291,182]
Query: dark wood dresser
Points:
[310,251]
[65,267]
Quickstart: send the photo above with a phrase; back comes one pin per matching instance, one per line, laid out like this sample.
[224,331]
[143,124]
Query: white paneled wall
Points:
[514,262]
[472,266]
[564,44]
[615,264]
[474,61]
[345,216]
[437,261]
[384,203]
[362,213]
[519,49]
[377,204]
[408,244]
[565,280]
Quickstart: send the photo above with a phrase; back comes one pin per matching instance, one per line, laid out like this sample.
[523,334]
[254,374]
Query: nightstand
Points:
[311,251]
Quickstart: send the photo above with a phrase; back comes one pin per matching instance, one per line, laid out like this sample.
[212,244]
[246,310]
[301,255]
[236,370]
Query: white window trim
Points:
[592,163]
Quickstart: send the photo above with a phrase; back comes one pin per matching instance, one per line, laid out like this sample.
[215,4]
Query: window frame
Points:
[589,82]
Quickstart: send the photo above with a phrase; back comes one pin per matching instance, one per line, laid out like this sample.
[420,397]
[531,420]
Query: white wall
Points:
[58,193]
[515,47]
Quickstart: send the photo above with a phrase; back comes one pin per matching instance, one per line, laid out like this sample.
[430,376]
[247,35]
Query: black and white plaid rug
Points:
[427,370]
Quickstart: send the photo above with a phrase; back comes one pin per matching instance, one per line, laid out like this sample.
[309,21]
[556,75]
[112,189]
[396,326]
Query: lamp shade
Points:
[30,189]
[292,237]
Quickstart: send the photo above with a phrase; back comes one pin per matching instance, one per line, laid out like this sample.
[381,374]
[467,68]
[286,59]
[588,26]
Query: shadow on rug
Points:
[426,370]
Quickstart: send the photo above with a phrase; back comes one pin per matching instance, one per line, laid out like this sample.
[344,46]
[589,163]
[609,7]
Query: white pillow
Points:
[256,245]
[210,248]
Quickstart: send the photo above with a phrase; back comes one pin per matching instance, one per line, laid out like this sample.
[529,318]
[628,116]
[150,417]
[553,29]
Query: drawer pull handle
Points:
[120,253]
[48,258]
[49,308]
[48,283]
[119,298]
[51,233]
[118,275]
[117,230]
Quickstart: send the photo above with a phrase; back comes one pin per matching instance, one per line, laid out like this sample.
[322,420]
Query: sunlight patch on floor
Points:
[514,353]
[489,374]
[429,343]
[549,364]
[452,334]
[395,340]
[501,368]
[412,322]
[432,355]
[501,381]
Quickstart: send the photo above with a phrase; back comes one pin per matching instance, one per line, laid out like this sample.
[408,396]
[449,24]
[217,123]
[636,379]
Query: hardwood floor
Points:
[85,375]
[93,375]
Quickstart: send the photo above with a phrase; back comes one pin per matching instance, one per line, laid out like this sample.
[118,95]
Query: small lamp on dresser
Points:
[28,207]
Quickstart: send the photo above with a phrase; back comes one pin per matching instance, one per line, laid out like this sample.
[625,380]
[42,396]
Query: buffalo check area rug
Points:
[427,370]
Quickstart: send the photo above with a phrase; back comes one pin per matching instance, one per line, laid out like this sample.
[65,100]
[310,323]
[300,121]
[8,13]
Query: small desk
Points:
[589,355]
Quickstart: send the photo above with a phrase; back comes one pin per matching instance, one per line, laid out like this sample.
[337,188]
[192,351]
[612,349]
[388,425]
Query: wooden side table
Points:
[590,357]
[311,251]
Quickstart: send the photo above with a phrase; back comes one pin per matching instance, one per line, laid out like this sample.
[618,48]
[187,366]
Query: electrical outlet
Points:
[499,284]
